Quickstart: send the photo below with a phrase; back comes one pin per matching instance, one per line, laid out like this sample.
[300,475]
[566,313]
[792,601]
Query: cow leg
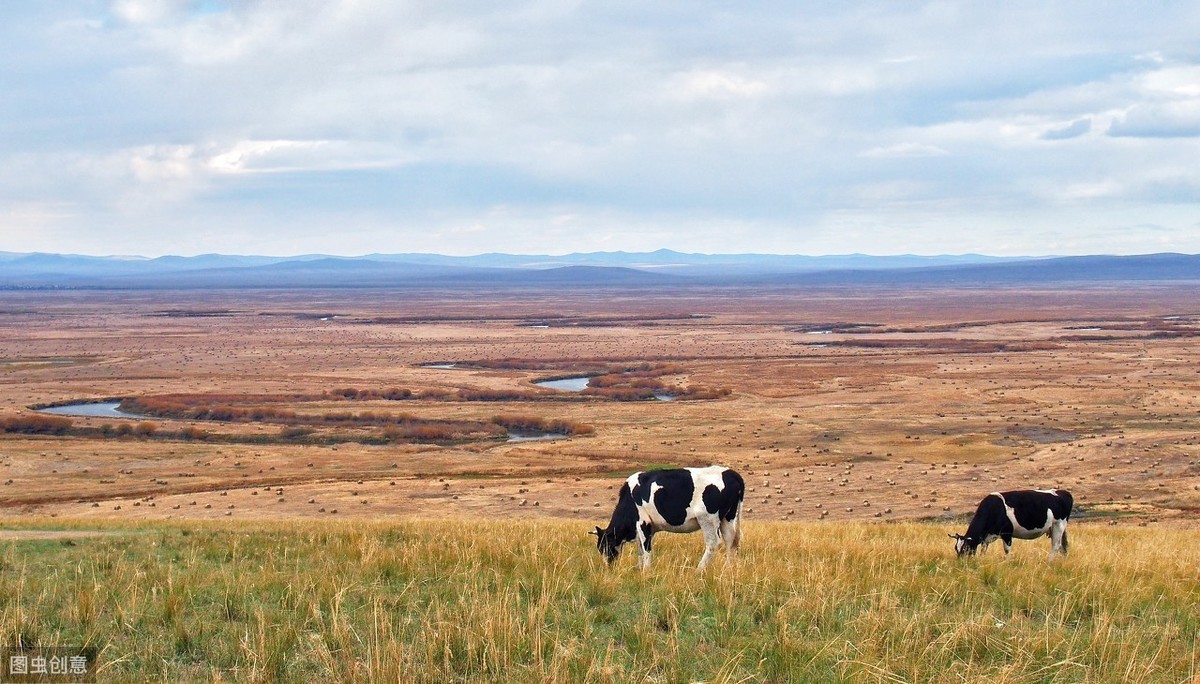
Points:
[712,539]
[731,533]
[644,534]
[983,547]
[1058,538]
[1007,539]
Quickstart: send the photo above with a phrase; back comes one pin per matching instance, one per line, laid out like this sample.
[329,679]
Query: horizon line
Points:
[133,257]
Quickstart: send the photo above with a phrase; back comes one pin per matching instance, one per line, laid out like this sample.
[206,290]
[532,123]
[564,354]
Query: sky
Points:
[352,127]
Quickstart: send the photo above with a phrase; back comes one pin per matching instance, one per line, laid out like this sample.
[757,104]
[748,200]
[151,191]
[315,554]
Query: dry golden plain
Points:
[867,403]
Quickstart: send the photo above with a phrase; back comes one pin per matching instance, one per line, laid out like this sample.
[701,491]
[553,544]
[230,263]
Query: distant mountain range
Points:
[594,269]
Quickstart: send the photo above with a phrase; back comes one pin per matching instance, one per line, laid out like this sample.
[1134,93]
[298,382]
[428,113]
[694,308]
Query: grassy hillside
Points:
[531,601]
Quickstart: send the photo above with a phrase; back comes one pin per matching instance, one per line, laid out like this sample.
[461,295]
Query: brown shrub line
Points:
[61,426]
[525,423]
[641,321]
[423,430]
[945,346]
[190,407]
[36,425]
[501,395]
[1156,335]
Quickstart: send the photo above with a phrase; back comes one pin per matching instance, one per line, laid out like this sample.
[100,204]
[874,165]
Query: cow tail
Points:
[1064,541]
[734,510]
[737,527]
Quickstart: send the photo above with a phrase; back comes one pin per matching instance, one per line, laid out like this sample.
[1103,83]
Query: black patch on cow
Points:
[712,498]
[647,533]
[1029,507]
[724,502]
[672,496]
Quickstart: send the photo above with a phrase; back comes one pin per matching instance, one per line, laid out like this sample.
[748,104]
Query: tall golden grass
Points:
[522,601]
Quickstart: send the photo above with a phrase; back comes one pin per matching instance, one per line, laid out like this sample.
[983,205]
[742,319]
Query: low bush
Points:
[518,423]
[36,425]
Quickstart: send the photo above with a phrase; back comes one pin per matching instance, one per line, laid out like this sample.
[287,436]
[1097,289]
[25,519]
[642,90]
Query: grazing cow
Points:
[679,500]
[1024,514]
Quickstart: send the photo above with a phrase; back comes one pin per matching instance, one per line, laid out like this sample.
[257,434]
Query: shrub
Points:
[497,395]
[37,425]
[193,432]
[538,424]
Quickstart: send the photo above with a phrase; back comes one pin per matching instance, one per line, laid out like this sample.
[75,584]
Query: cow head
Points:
[964,545]
[607,544]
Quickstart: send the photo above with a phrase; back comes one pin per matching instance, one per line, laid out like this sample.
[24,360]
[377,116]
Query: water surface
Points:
[523,436]
[99,409]
[566,384]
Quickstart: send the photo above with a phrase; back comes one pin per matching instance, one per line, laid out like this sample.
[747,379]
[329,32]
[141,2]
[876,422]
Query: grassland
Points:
[522,601]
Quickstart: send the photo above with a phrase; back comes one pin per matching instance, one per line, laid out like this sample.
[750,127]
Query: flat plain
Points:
[843,404]
[326,488]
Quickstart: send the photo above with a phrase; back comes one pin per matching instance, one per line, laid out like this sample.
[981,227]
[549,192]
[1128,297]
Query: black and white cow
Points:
[680,500]
[1024,514]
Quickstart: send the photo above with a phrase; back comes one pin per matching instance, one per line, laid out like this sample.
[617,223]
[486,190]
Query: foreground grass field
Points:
[532,601]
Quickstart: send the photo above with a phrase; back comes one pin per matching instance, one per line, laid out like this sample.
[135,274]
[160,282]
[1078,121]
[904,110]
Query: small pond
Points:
[566,384]
[38,362]
[100,409]
[523,436]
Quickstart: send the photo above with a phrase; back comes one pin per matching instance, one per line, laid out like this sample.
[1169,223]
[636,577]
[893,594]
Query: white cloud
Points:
[1179,119]
[1090,191]
[904,150]
[297,156]
[147,11]
[163,163]
[710,83]
[1176,80]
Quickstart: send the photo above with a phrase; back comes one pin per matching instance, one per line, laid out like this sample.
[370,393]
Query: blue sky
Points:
[349,126]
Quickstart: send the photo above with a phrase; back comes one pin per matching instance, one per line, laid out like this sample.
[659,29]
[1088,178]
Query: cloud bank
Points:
[349,127]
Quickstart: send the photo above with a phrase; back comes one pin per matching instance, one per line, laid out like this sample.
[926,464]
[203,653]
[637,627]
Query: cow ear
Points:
[597,532]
